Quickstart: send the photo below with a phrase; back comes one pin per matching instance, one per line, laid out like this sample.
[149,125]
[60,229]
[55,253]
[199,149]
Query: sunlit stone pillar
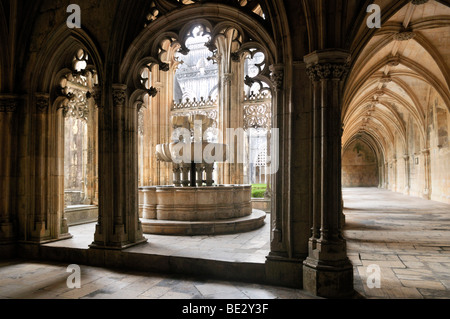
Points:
[327,271]
[407,174]
[119,226]
[386,175]
[427,174]
[395,172]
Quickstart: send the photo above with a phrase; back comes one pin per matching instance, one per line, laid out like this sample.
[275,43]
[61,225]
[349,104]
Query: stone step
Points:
[194,228]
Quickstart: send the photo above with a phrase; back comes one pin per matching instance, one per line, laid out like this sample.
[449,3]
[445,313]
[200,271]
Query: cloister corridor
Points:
[407,237]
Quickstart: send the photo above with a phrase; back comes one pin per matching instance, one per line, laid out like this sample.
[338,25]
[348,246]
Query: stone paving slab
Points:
[407,237]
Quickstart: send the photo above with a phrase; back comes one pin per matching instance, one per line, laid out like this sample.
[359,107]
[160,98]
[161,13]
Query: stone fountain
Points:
[194,205]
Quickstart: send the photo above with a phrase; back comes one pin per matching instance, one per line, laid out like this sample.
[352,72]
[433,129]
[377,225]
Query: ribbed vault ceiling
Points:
[393,78]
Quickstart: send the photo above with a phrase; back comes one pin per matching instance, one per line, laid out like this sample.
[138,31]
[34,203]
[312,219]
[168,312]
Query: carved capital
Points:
[8,104]
[97,96]
[327,71]
[227,77]
[277,76]
[42,102]
[119,95]
[333,64]
[235,57]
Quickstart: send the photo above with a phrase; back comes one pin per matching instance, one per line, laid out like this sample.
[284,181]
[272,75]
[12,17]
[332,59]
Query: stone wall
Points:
[359,166]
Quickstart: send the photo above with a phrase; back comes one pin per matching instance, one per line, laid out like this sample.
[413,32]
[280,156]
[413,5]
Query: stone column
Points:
[327,271]
[386,175]
[8,138]
[427,174]
[44,221]
[209,168]
[185,169]
[119,226]
[200,169]
[284,262]
[176,175]
[279,208]
[407,174]
[39,217]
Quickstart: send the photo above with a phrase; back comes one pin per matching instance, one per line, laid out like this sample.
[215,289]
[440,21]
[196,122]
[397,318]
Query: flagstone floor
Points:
[406,238]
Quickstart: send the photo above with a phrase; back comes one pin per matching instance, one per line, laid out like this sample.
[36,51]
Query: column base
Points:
[6,233]
[328,281]
[40,234]
[284,271]
[116,246]
[118,241]
[8,250]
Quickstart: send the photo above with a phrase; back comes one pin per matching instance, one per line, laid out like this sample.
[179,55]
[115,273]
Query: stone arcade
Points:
[83,110]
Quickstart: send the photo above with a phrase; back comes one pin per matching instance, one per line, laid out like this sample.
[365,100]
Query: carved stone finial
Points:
[211,46]
[165,67]
[152,91]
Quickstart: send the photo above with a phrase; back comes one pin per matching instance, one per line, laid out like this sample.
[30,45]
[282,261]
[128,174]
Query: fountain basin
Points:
[213,210]
[195,203]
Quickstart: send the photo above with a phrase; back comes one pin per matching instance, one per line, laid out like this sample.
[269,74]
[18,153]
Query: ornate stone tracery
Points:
[258,111]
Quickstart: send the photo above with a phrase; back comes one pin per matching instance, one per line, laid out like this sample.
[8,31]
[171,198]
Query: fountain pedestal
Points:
[193,206]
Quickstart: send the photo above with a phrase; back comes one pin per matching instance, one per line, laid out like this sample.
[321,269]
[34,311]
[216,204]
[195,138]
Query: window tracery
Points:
[77,89]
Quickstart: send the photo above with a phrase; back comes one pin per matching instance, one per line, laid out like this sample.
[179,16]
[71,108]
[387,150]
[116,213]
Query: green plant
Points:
[258,190]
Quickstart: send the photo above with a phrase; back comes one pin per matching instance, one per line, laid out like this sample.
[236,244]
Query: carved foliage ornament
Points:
[328,71]
[277,77]
[42,103]
[97,96]
[119,96]
[404,36]
[8,105]
[77,107]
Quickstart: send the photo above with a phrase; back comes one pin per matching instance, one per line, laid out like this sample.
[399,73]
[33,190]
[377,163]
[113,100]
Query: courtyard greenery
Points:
[258,190]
